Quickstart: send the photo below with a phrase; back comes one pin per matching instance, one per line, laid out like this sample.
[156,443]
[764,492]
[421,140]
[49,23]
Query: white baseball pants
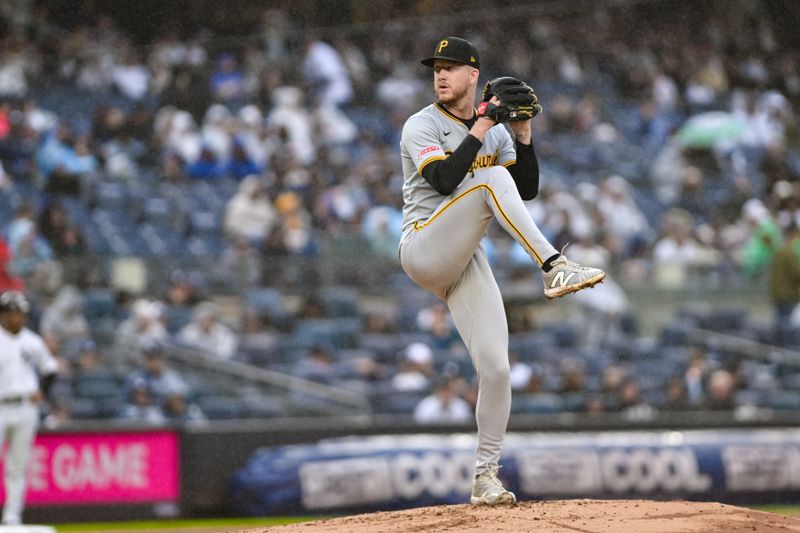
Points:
[18,423]
[443,255]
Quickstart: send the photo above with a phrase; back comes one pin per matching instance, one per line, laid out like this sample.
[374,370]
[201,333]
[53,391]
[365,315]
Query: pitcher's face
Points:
[451,80]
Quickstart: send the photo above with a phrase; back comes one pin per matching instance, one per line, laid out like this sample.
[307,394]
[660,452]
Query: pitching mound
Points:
[585,516]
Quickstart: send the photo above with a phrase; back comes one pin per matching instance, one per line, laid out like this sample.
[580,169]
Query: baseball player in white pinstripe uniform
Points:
[460,173]
[27,369]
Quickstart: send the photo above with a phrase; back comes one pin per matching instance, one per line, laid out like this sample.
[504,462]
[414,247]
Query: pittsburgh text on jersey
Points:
[481,161]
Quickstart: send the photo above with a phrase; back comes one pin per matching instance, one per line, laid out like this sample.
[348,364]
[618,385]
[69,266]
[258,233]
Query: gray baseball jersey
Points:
[440,250]
[431,135]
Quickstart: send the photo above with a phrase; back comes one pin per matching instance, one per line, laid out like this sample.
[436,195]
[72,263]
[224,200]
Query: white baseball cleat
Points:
[566,277]
[487,489]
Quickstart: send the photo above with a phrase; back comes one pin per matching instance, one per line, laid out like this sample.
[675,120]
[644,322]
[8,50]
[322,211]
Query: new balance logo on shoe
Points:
[566,277]
[561,279]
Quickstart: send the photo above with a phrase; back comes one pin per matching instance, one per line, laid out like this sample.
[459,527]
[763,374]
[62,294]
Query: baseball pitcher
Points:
[27,370]
[460,173]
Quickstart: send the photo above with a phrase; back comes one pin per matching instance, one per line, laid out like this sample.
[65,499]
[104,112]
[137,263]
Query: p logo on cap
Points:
[454,49]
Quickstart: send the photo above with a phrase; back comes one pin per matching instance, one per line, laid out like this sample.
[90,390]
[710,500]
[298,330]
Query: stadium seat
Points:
[262,406]
[339,332]
[783,400]
[538,403]
[218,407]
[110,195]
[340,301]
[84,409]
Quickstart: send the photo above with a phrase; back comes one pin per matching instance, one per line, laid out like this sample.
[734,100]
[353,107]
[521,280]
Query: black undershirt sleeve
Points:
[445,175]
[46,383]
[526,171]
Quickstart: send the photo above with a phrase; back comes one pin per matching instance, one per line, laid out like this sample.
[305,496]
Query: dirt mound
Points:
[569,516]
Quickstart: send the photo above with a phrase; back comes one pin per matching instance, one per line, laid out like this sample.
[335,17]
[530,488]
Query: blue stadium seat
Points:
[262,406]
[100,308]
[391,401]
[85,409]
[783,400]
[204,222]
[110,195]
[218,407]
[158,210]
[339,332]
[340,301]
[538,403]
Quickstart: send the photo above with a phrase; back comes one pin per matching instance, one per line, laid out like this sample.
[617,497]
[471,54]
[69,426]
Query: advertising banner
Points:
[103,468]
[414,470]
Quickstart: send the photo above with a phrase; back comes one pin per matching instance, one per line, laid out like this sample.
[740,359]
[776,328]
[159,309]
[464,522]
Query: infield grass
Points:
[221,524]
[790,510]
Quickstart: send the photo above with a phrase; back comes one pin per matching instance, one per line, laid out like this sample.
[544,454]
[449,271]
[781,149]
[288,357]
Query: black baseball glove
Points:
[517,100]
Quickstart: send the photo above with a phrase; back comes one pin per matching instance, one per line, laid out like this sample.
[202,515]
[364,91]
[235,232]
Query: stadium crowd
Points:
[668,157]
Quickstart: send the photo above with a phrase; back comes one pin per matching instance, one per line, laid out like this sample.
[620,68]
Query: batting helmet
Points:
[13,301]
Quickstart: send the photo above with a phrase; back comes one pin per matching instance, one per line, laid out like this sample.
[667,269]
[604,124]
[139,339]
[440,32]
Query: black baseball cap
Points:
[454,49]
[14,301]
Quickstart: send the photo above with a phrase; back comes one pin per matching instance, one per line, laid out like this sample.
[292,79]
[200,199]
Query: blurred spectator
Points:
[8,281]
[218,126]
[140,406]
[676,397]
[764,240]
[183,289]
[721,388]
[240,164]
[177,409]
[155,376]
[143,326]
[64,324]
[249,214]
[415,369]
[206,333]
[622,218]
[241,266]
[325,71]
[785,282]
[573,375]
[319,365]
[694,377]
[65,159]
[381,226]
[436,321]
[290,116]
[206,167]
[130,76]
[67,240]
[401,86]
[296,235]
[258,334]
[678,251]
[227,80]
[29,249]
[631,403]
[87,361]
[602,309]
[525,377]
[444,406]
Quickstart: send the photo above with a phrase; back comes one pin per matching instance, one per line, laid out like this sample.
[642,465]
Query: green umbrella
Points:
[709,129]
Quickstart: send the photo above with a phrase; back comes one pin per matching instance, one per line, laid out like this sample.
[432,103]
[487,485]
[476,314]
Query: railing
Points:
[315,398]
[746,347]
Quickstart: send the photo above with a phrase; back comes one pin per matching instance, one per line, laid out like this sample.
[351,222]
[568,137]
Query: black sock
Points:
[547,266]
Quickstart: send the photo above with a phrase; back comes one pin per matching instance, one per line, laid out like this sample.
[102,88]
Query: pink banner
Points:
[83,468]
